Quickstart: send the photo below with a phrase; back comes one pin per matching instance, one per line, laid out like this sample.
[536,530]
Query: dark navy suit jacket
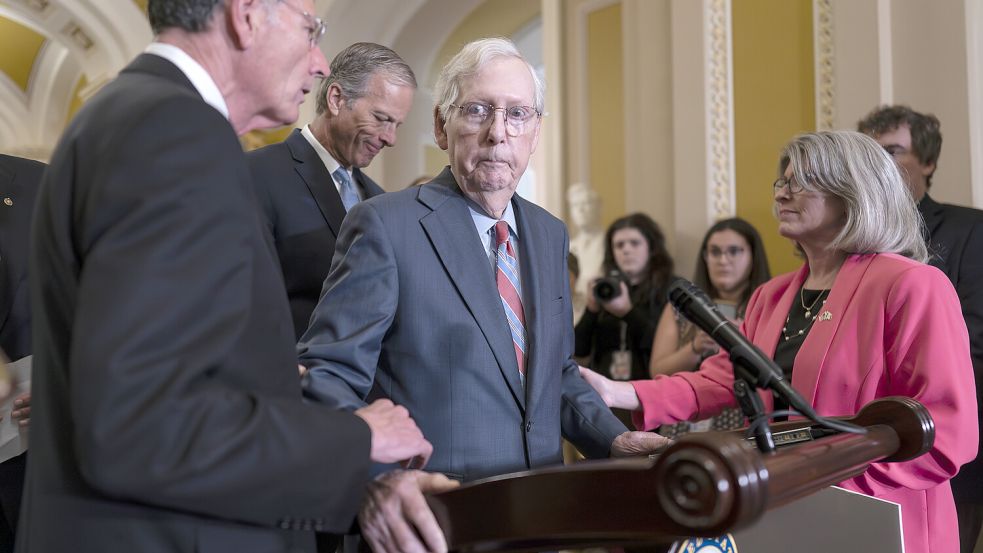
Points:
[304,212]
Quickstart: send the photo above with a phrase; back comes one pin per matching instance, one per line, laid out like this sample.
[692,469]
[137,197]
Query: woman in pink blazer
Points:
[863,318]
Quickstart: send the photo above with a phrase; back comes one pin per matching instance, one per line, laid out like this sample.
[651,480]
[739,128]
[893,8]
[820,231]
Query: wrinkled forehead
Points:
[500,81]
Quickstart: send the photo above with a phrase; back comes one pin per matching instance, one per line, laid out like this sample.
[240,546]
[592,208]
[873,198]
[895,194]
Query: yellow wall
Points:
[264,137]
[774,100]
[606,117]
[19,47]
[434,159]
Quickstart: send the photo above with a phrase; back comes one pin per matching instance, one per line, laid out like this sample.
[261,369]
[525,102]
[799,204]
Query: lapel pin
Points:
[825,316]
[8,202]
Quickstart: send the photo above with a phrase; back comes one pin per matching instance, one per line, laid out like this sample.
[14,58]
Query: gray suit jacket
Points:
[410,311]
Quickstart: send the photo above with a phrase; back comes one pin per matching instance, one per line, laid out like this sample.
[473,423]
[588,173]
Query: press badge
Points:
[620,365]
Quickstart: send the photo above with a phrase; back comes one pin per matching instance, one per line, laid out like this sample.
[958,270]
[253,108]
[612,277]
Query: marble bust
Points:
[587,237]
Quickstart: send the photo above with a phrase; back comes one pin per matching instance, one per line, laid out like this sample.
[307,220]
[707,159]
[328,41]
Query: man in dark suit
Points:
[308,182]
[955,236]
[19,179]
[453,298]
[167,413]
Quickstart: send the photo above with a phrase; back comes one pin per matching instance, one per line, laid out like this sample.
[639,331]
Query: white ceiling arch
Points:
[89,38]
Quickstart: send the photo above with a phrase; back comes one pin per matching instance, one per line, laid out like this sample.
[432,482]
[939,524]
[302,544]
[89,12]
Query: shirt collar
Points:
[329,162]
[195,73]
[483,222]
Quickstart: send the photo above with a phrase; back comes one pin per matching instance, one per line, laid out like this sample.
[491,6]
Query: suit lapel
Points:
[369,187]
[315,175]
[451,231]
[811,358]
[932,214]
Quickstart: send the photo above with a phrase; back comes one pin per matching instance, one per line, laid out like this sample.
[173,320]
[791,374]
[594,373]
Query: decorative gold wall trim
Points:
[720,109]
[825,58]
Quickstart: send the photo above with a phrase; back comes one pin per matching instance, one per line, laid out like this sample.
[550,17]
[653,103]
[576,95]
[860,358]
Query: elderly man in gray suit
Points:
[453,299]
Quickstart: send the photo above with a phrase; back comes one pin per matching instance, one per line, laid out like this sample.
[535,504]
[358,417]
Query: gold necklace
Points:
[810,318]
[802,300]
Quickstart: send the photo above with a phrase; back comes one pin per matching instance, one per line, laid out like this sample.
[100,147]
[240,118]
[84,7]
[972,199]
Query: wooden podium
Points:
[704,485]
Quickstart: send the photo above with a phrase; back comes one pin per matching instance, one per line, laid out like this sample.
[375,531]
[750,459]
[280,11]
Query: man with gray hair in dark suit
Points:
[307,183]
[167,412]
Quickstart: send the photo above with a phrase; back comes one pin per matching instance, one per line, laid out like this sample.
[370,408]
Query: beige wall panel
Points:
[974,73]
[925,55]
[856,60]
[928,41]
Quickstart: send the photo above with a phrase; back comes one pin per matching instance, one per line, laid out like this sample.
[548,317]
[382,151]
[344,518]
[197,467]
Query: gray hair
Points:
[352,68]
[881,216]
[469,61]
[189,15]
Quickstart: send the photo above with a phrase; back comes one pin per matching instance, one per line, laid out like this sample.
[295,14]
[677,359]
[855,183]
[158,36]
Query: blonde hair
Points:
[881,216]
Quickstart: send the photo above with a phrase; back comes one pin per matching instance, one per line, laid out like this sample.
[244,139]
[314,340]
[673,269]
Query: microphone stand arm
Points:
[748,379]
[746,392]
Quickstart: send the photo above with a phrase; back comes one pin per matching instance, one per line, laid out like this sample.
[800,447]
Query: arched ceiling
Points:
[53,54]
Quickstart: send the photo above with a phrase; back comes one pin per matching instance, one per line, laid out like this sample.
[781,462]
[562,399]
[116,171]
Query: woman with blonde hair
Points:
[863,318]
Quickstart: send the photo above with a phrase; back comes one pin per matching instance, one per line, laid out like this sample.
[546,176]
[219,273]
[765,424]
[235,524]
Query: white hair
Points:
[469,61]
[881,216]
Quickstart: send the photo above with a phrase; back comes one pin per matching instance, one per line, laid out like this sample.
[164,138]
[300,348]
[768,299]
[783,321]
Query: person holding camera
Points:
[616,330]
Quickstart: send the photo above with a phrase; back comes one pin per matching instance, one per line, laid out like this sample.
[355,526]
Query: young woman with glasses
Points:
[731,265]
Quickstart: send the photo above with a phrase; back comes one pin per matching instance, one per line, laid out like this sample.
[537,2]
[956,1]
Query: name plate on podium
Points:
[832,520]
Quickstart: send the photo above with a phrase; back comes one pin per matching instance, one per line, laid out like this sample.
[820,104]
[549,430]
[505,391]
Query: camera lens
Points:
[607,288]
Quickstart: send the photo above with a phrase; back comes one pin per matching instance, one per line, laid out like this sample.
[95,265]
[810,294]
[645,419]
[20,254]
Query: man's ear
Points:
[243,19]
[439,132]
[334,98]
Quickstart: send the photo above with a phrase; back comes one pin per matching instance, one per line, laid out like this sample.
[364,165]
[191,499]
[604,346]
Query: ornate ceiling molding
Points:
[93,38]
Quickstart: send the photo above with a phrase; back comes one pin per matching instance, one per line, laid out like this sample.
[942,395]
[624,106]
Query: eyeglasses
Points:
[731,252]
[791,184]
[895,151]
[476,113]
[315,25]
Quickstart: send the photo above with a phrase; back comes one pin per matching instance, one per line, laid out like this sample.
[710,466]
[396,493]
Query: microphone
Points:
[749,361]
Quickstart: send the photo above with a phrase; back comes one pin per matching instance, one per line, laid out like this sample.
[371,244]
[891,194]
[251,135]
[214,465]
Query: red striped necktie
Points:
[507,278]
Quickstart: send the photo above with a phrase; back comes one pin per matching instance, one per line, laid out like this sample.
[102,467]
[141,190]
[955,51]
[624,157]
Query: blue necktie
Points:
[346,188]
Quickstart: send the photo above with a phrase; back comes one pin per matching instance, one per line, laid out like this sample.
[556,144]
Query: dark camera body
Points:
[609,287]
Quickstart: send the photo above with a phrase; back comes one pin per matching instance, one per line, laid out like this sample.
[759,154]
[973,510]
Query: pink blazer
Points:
[895,329]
